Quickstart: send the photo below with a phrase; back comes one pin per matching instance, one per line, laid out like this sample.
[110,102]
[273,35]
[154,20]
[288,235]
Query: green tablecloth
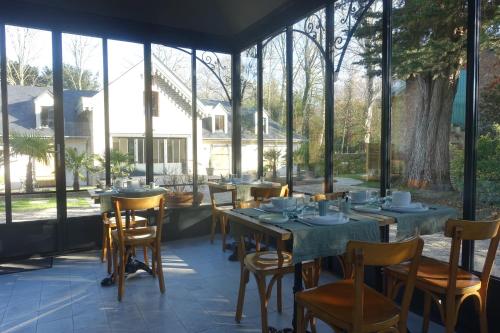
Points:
[310,242]
[105,197]
[423,223]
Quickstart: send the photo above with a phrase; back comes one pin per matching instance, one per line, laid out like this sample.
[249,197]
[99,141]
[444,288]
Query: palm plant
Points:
[38,148]
[77,162]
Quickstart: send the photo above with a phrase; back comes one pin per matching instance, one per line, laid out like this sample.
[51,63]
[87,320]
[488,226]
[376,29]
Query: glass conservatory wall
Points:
[31,123]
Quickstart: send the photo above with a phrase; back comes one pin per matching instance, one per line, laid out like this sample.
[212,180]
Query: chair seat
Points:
[139,235]
[432,275]
[139,221]
[223,208]
[334,304]
[268,261]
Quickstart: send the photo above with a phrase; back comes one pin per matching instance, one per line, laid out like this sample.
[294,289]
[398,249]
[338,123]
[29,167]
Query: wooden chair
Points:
[274,264]
[125,239]
[327,196]
[217,212]
[350,305]
[108,225]
[262,193]
[447,284]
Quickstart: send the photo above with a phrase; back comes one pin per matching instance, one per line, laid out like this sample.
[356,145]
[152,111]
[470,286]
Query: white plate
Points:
[367,209]
[269,207]
[326,220]
[360,202]
[412,208]
[273,218]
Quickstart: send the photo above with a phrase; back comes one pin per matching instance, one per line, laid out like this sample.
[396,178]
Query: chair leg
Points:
[212,231]
[104,242]
[146,259]
[279,296]
[450,317]
[153,261]
[121,274]
[426,313]
[244,277]
[299,321]
[483,319]
[159,268]
[109,245]
[223,223]
[261,284]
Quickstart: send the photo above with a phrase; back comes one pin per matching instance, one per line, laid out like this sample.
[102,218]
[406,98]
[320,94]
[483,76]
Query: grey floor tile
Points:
[57,326]
[201,295]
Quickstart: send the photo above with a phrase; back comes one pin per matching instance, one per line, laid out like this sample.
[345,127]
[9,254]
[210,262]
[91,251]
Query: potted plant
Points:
[179,185]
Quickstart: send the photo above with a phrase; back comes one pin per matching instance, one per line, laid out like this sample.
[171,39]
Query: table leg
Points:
[297,286]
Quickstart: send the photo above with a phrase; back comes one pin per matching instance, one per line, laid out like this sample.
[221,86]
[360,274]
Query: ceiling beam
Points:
[288,14]
[31,15]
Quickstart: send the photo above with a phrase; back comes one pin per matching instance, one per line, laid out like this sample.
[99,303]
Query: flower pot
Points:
[182,199]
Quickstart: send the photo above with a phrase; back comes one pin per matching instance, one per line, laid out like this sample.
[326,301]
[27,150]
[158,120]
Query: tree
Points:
[429,49]
[76,76]
[272,158]
[76,161]
[87,79]
[121,166]
[38,149]
[19,68]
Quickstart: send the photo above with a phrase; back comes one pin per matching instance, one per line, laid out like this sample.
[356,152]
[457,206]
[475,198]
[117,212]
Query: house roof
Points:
[276,131]
[22,117]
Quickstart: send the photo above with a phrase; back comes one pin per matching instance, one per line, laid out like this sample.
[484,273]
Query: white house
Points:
[31,109]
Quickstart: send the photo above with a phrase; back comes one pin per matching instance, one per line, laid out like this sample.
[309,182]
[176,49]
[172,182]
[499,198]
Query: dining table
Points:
[104,196]
[311,241]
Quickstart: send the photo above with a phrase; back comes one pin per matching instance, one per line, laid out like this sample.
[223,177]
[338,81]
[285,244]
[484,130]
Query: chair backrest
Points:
[327,196]
[360,254]
[214,189]
[261,193]
[123,204]
[460,230]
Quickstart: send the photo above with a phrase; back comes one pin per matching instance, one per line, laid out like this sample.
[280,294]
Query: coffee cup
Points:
[401,198]
[359,196]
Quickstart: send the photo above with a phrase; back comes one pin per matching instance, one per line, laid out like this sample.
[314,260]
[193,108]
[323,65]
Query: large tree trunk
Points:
[428,120]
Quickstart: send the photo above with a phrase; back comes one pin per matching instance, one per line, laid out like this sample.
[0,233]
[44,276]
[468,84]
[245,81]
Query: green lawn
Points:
[371,183]
[20,204]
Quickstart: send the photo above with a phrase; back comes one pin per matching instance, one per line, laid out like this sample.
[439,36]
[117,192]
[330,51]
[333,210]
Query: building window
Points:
[159,150]
[219,123]
[47,117]
[177,151]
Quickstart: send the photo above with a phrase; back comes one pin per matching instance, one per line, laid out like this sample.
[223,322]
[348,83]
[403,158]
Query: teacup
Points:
[359,196]
[401,198]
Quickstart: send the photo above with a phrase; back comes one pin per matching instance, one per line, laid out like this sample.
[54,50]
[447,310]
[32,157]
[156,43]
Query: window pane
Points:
[126,109]
[427,133]
[274,75]
[249,159]
[172,84]
[358,101]
[83,121]
[309,108]
[488,148]
[214,152]
[32,165]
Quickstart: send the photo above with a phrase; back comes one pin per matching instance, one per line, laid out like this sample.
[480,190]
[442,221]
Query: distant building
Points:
[31,109]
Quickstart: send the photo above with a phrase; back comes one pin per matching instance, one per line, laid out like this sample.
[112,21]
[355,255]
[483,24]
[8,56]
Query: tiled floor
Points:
[201,290]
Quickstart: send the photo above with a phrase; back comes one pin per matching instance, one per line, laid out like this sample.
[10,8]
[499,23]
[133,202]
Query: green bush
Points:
[344,164]
[488,168]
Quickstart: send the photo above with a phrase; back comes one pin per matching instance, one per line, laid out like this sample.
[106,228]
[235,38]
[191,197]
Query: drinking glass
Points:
[388,195]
